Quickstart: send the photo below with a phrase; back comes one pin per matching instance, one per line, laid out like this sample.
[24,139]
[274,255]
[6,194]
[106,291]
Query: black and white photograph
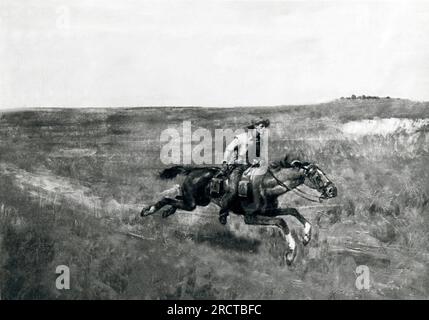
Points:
[214,150]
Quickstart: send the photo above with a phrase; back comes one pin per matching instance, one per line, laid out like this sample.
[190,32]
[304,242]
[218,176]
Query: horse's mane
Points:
[279,164]
[286,162]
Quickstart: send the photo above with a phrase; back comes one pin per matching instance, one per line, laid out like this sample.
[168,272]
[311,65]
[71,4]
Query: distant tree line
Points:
[363,97]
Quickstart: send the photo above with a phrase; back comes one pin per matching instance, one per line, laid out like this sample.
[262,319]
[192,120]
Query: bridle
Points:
[310,172]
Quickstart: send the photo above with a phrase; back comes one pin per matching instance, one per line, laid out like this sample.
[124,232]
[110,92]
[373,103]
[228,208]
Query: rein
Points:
[319,200]
[300,193]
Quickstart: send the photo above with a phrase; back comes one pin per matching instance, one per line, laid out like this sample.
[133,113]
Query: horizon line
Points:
[27,108]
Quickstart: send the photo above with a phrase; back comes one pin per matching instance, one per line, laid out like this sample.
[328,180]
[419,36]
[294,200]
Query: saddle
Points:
[219,183]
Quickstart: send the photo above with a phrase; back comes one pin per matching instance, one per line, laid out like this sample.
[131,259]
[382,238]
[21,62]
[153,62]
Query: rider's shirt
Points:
[237,152]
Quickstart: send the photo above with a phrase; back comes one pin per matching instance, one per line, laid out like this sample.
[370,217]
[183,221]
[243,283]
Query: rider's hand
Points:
[255,163]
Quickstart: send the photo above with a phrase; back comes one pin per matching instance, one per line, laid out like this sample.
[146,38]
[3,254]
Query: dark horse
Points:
[261,208]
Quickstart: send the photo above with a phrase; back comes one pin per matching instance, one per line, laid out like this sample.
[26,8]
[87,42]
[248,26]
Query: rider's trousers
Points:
[232,192]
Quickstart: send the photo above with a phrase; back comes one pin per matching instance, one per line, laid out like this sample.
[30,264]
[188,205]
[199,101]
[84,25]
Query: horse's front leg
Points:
[306,224]
[282,225]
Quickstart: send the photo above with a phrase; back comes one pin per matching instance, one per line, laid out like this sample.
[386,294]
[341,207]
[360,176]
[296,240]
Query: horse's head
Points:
[315,178]
[291,174]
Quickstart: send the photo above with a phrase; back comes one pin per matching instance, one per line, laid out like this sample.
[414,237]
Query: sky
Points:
[127,53]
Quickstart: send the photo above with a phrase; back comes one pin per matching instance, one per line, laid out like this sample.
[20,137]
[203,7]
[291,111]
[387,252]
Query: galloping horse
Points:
[259,209]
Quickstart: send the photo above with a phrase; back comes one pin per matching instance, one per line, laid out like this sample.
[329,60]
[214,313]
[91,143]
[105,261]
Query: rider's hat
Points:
[257,121]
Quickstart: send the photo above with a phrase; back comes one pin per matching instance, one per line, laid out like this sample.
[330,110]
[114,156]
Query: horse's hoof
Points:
[307,236]
[223,219]
[290,256]
[147,211]
[306,239]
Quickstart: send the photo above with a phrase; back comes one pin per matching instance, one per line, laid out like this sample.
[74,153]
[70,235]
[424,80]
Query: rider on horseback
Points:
[238,150]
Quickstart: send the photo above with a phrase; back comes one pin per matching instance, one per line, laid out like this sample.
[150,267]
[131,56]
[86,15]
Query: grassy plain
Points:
[73,181]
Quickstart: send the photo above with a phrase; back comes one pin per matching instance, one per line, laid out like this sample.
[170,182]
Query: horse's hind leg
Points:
[184,202]
[174,203]
[282,225]
[187,204]
[307,225]
[171,210]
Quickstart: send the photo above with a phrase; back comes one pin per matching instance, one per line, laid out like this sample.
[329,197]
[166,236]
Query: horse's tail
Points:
[172,172]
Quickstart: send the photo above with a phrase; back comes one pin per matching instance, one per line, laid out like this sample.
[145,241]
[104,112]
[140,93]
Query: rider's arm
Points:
[230,149]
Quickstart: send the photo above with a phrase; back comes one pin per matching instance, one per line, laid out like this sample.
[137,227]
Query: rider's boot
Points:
[230,196]
[227,199]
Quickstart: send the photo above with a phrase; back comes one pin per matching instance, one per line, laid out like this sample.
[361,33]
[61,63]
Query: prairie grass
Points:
[110,158]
